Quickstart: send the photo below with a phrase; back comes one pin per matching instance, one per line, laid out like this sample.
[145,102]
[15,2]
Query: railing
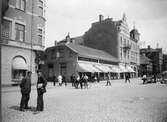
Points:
[127,47]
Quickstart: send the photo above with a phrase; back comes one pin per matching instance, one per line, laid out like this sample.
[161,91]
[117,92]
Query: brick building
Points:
[156,56]
[115,38]
[22,38]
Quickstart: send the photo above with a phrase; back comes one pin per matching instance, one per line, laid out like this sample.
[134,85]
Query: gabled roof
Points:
[91,53]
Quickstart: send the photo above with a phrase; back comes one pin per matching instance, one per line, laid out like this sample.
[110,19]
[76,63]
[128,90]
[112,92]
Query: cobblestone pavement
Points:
[120,102]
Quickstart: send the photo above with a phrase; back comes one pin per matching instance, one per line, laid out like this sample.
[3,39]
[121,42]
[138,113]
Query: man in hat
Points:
[25,86]
[41,89]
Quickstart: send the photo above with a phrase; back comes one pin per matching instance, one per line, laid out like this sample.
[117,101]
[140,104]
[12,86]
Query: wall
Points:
[69,59]
[102,36]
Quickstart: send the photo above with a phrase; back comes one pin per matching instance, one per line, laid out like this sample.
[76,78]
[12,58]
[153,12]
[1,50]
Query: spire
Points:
[68,37]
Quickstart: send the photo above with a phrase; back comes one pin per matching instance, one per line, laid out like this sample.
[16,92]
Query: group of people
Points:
[79,81]
[25,87]
[153,78]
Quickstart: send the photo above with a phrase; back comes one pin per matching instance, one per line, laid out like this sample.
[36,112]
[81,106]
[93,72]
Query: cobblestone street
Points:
[119,102]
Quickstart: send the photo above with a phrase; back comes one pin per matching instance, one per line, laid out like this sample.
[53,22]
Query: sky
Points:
[76,16]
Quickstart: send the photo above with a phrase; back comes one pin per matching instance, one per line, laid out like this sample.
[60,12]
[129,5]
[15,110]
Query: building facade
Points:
[22,37]
[67,59]
[145,66]
[156,56]
[115,38]
[164,65]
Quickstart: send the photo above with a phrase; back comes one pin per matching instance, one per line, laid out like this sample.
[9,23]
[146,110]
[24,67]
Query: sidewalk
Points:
[5,89]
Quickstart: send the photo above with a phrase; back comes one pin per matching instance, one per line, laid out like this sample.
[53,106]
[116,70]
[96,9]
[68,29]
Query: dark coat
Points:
[25,85]
[41,80]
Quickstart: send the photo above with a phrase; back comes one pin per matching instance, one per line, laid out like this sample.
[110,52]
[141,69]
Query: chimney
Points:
[149,47]
[101,18]
[55,42]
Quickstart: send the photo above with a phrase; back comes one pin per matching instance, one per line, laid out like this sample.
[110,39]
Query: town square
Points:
[83,60]
[119,102]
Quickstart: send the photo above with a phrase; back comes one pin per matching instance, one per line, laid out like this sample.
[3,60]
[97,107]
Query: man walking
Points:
[108,79]
[41,89]
[25,86]
[86,81]
[54,80]
[127,78]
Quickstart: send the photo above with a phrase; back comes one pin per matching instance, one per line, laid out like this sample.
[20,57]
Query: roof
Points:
[92,53]
[79,39]
[144,60]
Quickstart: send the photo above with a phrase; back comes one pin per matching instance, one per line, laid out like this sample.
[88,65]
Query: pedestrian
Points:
[72,79]
[54,80]
[144,79]
[127,78]
[64,80]
[86,81]
[95,79]
[98,79]
[25,86]
[41,89]
[108,79]
[77,81]
[60,80]
[81,81]
[155,78]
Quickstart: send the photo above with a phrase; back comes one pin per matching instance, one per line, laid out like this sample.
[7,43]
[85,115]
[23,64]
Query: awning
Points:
[115,69]
[122,68]
[103,68]
[129,69]
[19,64]
[86,67]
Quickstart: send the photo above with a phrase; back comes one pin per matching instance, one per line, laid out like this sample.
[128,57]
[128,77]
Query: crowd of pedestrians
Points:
[77,80]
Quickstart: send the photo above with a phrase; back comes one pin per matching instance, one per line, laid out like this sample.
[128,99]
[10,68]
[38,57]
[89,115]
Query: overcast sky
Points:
[76,16]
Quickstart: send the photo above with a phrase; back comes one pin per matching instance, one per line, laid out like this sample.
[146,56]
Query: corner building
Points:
[22,38]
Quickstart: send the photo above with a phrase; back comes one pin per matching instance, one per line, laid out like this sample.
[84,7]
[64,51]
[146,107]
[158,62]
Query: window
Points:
[20,4]
[50,70]
[6,29]
[40,3]
[71,54]
[63,68]
[40,11]
[40,36]
[41,8]
[20,32]
[61,51]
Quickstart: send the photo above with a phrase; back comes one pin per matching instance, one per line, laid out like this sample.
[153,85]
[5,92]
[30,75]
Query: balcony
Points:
[126,47]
